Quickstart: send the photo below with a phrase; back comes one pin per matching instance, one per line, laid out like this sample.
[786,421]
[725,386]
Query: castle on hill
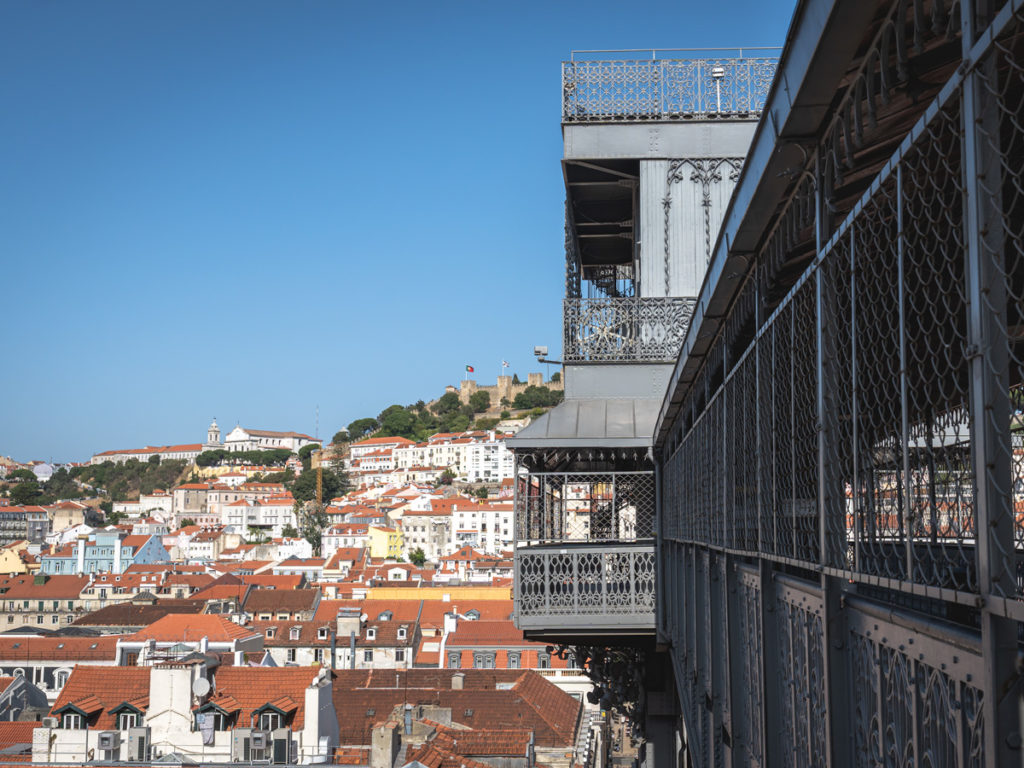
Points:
[504,388]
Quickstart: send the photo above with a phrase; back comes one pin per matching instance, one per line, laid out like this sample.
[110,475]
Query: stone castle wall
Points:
[504,388]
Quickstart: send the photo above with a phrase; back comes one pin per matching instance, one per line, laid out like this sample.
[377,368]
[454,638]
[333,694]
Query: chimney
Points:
[384,745]
[348,621]
[451,622]
[81,555]
[117,555]
[458,681]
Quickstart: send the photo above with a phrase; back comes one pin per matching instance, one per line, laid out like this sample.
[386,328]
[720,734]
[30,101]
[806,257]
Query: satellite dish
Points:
[201,687]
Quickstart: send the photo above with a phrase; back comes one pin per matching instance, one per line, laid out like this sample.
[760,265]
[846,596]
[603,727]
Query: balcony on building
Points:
[654,143]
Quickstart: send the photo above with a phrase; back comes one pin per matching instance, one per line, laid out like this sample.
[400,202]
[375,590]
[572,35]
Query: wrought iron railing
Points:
[624,330]
[665,89]
[578,585]
[554,507]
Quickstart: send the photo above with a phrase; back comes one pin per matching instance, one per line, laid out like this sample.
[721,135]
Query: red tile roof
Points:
[179,627]
[100,689]
[530,703]
[253,687]
[13,648]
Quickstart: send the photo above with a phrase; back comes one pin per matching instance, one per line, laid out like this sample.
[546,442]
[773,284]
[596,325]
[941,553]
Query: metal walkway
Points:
[841,450]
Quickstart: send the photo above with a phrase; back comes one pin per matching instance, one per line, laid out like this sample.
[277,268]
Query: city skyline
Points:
[253,214]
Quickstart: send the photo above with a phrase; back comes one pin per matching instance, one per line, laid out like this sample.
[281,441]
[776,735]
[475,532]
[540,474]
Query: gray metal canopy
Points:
[592,423]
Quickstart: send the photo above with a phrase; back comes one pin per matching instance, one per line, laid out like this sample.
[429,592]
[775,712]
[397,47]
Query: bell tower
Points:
[213,435]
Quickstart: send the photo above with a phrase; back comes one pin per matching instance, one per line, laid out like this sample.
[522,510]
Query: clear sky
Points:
[247,209]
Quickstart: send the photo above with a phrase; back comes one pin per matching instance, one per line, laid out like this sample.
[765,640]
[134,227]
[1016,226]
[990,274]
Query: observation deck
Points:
[654,142]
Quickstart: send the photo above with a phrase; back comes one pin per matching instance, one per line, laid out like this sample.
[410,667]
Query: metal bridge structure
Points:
[780,515]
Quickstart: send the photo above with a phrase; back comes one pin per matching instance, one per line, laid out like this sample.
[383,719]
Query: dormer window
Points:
[270,721]
[271,631]
[371,633]
[321,633]
[294,634]
[127,720]
[72,721]
[402,631]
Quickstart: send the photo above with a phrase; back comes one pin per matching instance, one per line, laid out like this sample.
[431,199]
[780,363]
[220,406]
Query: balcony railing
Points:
[665,89]
[621,330]
[580,587]
[584,552]
[556,507]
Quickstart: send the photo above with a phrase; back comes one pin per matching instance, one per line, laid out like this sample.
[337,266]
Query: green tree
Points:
[396,421]
[447,403]
[21,474]
[446,477]
[26,492]
[480,401]
[154,459]
[304,487]
[506,415]
[305,452]
[360,428]
[418,557]
[186,522]
[486,423]
[556,376]
[481,493]
[341,436]
[537,397]
[290,532]
[515,379]
[210,458]
[312,522]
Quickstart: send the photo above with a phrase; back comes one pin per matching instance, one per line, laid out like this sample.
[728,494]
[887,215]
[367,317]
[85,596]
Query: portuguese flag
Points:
[469,369]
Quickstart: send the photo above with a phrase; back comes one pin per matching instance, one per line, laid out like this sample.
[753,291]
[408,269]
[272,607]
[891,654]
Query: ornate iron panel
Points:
[858,421]
[664,89]
[631,329]
[554,586]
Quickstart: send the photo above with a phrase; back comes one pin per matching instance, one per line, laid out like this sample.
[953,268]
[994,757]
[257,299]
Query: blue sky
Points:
[247,209]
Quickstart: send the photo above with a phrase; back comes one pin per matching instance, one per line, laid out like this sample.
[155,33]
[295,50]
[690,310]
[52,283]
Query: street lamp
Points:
[717,73]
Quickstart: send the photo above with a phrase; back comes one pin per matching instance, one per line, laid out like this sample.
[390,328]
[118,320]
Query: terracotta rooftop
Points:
[14,648]
[281,600]
[488,633]
[97,690]
[529,703]
[130,615]
[253,687]
[192,628]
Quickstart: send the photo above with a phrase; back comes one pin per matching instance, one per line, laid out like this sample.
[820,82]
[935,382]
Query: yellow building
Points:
[10,558]
[385,543]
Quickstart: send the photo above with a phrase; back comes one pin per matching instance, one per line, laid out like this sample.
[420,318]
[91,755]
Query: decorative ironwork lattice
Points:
[664,89]
[625,329]
[588,506]
[852,442]
[581,580]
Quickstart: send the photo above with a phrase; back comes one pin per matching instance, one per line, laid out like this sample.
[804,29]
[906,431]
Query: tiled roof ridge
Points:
[526,686]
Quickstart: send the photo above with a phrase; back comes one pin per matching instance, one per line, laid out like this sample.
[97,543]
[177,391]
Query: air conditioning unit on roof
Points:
[109,740]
